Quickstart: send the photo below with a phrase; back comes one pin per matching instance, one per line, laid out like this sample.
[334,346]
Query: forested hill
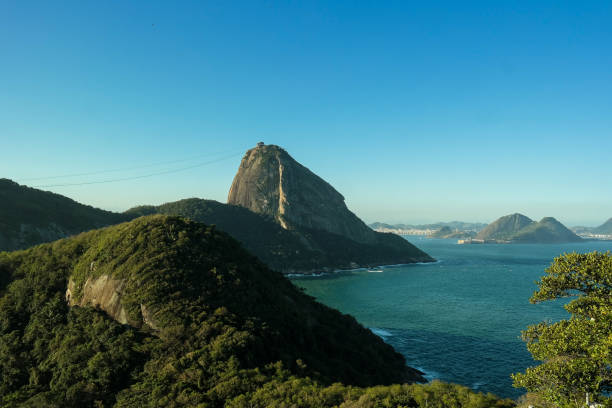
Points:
[521,229]
[163,311]
[547,230]
[29,216]
[299,249]
[505,227]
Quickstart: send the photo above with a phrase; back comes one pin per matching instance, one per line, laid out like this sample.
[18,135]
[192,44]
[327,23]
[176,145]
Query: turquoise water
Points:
[459,319]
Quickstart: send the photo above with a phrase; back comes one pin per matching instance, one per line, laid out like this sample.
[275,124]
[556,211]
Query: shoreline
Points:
[318,274]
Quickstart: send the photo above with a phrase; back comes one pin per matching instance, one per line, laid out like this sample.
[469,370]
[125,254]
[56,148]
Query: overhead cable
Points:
[141,176]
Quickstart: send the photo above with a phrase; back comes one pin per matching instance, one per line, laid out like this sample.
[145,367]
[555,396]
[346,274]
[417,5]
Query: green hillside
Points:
[520,229]
[297,250]
[209,326]
[504,227]
[29,216]
[547,231]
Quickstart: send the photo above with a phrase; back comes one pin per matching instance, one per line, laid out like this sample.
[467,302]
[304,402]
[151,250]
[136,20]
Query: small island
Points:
[517,228]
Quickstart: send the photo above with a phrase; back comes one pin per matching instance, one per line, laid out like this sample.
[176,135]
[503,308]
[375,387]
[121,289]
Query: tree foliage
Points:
[575,353]
[228,331]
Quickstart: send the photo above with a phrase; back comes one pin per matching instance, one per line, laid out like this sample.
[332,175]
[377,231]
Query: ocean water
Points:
[460,319]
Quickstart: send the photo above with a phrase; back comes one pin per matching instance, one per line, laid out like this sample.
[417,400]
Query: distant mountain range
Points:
[519,228]
[603,229]
[509,228]
[279,210]
[292,219]
[449,233]
[425,229]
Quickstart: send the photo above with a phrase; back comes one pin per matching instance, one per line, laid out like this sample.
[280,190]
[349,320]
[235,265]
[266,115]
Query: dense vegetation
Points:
[296,250]
[505,227]
[576,354]
[547,230]
[29,216]
[228,331]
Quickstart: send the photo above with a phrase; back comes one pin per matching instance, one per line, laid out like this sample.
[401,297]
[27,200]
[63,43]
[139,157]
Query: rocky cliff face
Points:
[102,293]
[269,181]
[105,293]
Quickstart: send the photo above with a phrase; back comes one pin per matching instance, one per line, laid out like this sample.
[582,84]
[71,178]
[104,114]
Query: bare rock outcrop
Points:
[102,293]
[270,182]
[105,293]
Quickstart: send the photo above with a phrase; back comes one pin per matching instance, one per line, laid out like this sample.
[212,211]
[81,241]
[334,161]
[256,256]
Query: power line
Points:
[141,176]
[124,168]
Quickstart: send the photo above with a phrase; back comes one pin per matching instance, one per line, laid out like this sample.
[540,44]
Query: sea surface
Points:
[459,319]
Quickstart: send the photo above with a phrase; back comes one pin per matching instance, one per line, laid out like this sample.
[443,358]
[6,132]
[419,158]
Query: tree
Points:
[575,353]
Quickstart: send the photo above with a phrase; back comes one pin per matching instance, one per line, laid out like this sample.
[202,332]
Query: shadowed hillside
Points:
[295,250]
[505,227]
[29,216]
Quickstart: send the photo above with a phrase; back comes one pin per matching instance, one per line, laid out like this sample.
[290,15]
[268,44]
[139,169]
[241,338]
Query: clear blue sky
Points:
[415,111]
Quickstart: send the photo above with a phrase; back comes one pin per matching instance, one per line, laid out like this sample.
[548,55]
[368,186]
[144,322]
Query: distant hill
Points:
[29,216]
[449,233]
[519,228]
[605,228]
[442,232]
[548,230]
[579,229]
[377,225]
[289,251]
[505,227]
[453,225]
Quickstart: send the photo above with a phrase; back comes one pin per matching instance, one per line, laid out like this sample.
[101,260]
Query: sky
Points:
[415,111]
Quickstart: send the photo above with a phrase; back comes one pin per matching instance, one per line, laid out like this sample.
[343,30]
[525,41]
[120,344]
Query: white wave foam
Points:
[429,375]
[437,261]
[305,275]
[477,385]
[380,332]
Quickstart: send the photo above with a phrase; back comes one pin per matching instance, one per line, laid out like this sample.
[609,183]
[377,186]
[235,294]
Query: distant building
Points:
[473,241]
[260,144]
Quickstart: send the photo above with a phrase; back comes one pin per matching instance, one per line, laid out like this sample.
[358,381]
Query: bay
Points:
[459,319]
